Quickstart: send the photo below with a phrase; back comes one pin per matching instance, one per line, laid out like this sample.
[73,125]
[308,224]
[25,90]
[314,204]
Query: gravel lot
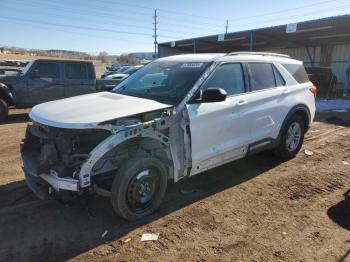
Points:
[256,209]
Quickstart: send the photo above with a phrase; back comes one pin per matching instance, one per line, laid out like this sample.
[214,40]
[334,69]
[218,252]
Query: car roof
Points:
[62,60]
[239,56]
[191,58]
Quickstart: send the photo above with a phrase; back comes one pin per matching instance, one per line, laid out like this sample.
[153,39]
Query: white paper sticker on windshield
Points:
[192,65]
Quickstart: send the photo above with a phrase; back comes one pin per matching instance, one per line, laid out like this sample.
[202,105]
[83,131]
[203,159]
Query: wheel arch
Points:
[5,94]
[300,110]
[148,146]
[115,143]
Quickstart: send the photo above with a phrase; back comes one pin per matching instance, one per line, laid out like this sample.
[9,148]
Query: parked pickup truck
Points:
[47,80]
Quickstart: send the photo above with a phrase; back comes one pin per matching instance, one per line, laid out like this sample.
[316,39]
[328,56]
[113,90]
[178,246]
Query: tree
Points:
[103,56]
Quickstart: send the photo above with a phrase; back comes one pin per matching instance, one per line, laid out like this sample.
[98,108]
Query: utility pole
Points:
[226,28]
[155,33]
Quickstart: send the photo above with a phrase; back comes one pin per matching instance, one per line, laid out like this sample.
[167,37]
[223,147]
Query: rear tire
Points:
[4,110]
[139,187]
[291,138]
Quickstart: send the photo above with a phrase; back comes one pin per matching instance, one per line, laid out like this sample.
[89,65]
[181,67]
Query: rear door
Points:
[46,83]
[266,106]
[79,79]
[220,131]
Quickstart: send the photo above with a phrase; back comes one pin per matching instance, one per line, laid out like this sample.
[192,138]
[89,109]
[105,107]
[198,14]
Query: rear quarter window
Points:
[298,72]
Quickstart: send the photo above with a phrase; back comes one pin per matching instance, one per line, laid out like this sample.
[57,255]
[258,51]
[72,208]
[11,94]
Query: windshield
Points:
[165,82]
[29,65]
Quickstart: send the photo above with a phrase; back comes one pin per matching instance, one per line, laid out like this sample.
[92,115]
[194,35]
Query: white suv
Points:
[174,118]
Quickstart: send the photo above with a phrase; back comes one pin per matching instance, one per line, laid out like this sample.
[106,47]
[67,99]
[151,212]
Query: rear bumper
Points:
[42,184]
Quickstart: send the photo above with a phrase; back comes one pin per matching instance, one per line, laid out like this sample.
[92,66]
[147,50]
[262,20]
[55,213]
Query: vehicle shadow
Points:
[55,231]
[340,213]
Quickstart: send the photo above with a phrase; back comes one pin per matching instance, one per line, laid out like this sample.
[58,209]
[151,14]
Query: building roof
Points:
[330,30]
[235,56]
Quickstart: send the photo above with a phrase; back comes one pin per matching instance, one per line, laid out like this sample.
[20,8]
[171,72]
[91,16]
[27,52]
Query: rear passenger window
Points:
[262,76]
[279,79]
[298,72]
[228,77]
[48,70]
[76,71]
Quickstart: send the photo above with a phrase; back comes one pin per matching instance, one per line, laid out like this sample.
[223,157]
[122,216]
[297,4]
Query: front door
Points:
[220,131]
[45,83]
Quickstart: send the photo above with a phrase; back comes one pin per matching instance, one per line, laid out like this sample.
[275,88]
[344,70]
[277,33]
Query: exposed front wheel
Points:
[3,110]
[139,187]
[292,137]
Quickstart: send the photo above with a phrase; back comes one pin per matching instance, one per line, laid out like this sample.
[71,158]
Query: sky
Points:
[120,26]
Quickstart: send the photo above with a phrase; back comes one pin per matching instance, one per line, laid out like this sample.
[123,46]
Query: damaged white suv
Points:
[174,118]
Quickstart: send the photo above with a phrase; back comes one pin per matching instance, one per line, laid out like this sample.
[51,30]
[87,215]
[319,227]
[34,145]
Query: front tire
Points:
[3,110]
[139,187]
[292,138]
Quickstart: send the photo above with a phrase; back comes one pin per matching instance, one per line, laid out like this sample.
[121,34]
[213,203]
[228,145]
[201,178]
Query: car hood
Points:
[87,111]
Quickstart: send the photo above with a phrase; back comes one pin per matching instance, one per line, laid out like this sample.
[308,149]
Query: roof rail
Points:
[258,53]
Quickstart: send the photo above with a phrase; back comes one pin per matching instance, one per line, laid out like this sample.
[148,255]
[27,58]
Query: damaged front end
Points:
[52,157]
[57,159]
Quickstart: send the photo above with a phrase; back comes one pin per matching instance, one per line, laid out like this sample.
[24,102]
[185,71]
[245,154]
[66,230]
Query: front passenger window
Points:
[48,70]
[228,77]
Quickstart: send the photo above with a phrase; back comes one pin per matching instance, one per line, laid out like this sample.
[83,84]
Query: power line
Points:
[295,16]
[72,26]
[78,11]
[103,22]
[122,13]
[284,10]
[80,19]
[71,11]
[48,27]
[217,18]
[163,10]
[97,20]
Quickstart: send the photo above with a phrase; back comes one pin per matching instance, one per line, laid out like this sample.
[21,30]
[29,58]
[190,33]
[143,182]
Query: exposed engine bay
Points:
[79,159]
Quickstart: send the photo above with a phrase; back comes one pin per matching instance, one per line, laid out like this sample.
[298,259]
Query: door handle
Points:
[242,102]
[285,92]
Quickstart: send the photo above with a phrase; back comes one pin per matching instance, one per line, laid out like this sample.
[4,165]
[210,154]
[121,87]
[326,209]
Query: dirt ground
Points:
[256,209]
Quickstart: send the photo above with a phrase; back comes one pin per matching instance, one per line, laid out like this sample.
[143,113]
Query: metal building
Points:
[323,42]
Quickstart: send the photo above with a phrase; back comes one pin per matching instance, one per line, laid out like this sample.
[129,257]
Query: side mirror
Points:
[212,95]
[34,74]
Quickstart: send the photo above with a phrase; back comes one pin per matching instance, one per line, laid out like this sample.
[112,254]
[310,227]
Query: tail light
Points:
[313,90]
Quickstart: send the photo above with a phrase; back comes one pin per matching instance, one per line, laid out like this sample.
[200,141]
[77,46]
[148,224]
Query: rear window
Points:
[76,71]
[298,72]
